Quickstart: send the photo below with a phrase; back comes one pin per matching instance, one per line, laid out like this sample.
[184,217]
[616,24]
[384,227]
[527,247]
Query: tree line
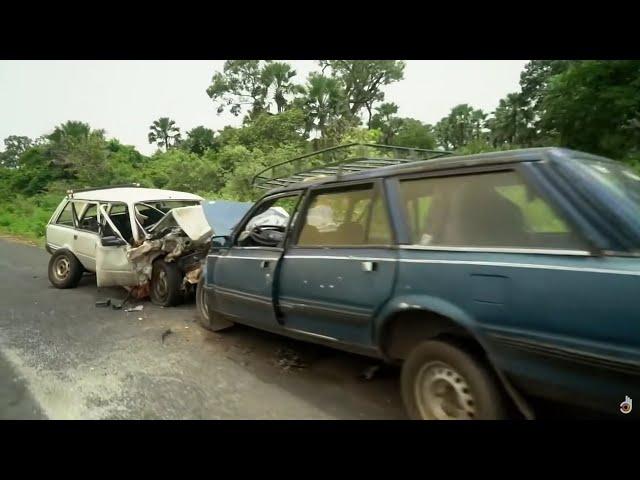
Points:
[587,105]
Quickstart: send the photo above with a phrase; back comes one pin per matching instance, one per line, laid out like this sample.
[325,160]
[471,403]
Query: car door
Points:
[242,275]
[340,268]
[113,267]
[86,237]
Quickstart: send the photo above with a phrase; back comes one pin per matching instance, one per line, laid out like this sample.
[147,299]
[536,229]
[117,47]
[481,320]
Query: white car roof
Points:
[133,195]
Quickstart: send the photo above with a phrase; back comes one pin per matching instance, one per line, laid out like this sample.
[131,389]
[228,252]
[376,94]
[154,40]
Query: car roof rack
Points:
[339,160]
[91,189]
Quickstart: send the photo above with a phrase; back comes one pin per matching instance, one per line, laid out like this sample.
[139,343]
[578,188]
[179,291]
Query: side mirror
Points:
[220,241]
[112,241]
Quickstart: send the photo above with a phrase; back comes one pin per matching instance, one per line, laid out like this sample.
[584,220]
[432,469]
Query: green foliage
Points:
[14,147]
[362,81]
[199,140]
[595,106]
[462,126]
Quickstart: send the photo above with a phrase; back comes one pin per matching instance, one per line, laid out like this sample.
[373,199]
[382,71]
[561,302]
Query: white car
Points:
[117,233]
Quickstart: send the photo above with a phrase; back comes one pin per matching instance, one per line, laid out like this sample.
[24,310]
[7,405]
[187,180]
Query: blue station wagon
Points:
[493,279]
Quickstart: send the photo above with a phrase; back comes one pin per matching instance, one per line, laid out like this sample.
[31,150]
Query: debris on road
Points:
[137,308]
[288,359]
[166,334]
[103,303]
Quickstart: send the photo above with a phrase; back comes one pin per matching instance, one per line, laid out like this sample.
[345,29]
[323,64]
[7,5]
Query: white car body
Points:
[74,227]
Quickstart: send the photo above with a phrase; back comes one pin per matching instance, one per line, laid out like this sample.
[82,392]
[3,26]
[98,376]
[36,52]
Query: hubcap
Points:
[443,394]
[61,268]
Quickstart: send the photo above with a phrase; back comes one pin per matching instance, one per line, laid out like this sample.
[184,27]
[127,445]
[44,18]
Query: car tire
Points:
[65,270]
[206,317]
[166,281]
[441,381]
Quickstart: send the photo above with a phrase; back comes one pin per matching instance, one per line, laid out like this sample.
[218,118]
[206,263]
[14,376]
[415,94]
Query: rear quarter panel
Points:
[566,327]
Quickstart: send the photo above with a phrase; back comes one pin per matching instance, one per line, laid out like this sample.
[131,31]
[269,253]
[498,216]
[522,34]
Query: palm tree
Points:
[511,122]
[163,131]
[323,102]
[72,131]
[278,75]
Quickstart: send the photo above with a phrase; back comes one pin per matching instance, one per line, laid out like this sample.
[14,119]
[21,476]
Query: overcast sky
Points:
[125,97]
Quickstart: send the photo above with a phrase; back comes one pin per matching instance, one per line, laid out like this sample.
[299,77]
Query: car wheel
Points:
[207,318]
[443,382]
[65,270]
[166,281]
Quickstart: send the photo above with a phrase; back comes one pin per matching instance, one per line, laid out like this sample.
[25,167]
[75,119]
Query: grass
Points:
[27,217]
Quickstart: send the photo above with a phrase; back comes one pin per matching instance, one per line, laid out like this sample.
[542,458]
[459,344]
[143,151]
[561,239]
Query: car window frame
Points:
[251,213]
[527,178]
[108,205]
[379,191]
[83,213]
[74,217]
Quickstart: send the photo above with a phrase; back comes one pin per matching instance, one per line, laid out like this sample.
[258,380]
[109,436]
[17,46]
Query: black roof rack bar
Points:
[349,163]
[107,187]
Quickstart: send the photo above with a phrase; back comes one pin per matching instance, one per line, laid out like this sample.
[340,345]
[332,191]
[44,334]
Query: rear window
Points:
[66,216]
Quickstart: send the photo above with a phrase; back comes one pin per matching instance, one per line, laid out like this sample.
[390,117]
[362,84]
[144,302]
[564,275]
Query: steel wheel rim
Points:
[442,393]
[160,284]
[62,268]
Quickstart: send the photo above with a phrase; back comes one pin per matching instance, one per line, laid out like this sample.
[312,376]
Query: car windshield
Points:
[620,178]
[149,213]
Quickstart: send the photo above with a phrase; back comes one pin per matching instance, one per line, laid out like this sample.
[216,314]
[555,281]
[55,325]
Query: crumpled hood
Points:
[191,221]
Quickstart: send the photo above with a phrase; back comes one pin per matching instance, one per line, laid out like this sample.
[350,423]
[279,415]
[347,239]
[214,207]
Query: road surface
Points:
[61,357]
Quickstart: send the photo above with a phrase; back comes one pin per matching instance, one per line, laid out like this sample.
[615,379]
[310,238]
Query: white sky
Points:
[125,97]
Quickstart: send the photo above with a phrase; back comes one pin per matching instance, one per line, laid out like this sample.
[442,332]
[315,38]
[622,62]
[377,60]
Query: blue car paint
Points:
[565,327]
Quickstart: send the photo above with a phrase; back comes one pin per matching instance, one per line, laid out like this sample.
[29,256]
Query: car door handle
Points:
[369,266]
[264,263]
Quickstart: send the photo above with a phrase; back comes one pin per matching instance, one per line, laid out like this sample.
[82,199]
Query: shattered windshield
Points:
[149,213]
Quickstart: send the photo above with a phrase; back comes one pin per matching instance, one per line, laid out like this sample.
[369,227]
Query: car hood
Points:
[224,215]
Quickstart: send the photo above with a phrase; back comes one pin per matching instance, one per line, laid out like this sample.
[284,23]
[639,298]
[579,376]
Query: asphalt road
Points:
[61,357]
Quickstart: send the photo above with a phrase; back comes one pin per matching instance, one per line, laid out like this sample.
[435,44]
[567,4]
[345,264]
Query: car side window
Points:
[89,220]
[67,216]
[497,209]
[346,217]
[267,225]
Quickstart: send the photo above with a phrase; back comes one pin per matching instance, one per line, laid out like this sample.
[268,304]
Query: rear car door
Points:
[62,229]
[340,269]
[242,276]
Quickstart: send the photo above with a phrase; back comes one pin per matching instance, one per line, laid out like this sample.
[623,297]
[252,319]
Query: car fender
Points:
[425,303]
[428,303]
